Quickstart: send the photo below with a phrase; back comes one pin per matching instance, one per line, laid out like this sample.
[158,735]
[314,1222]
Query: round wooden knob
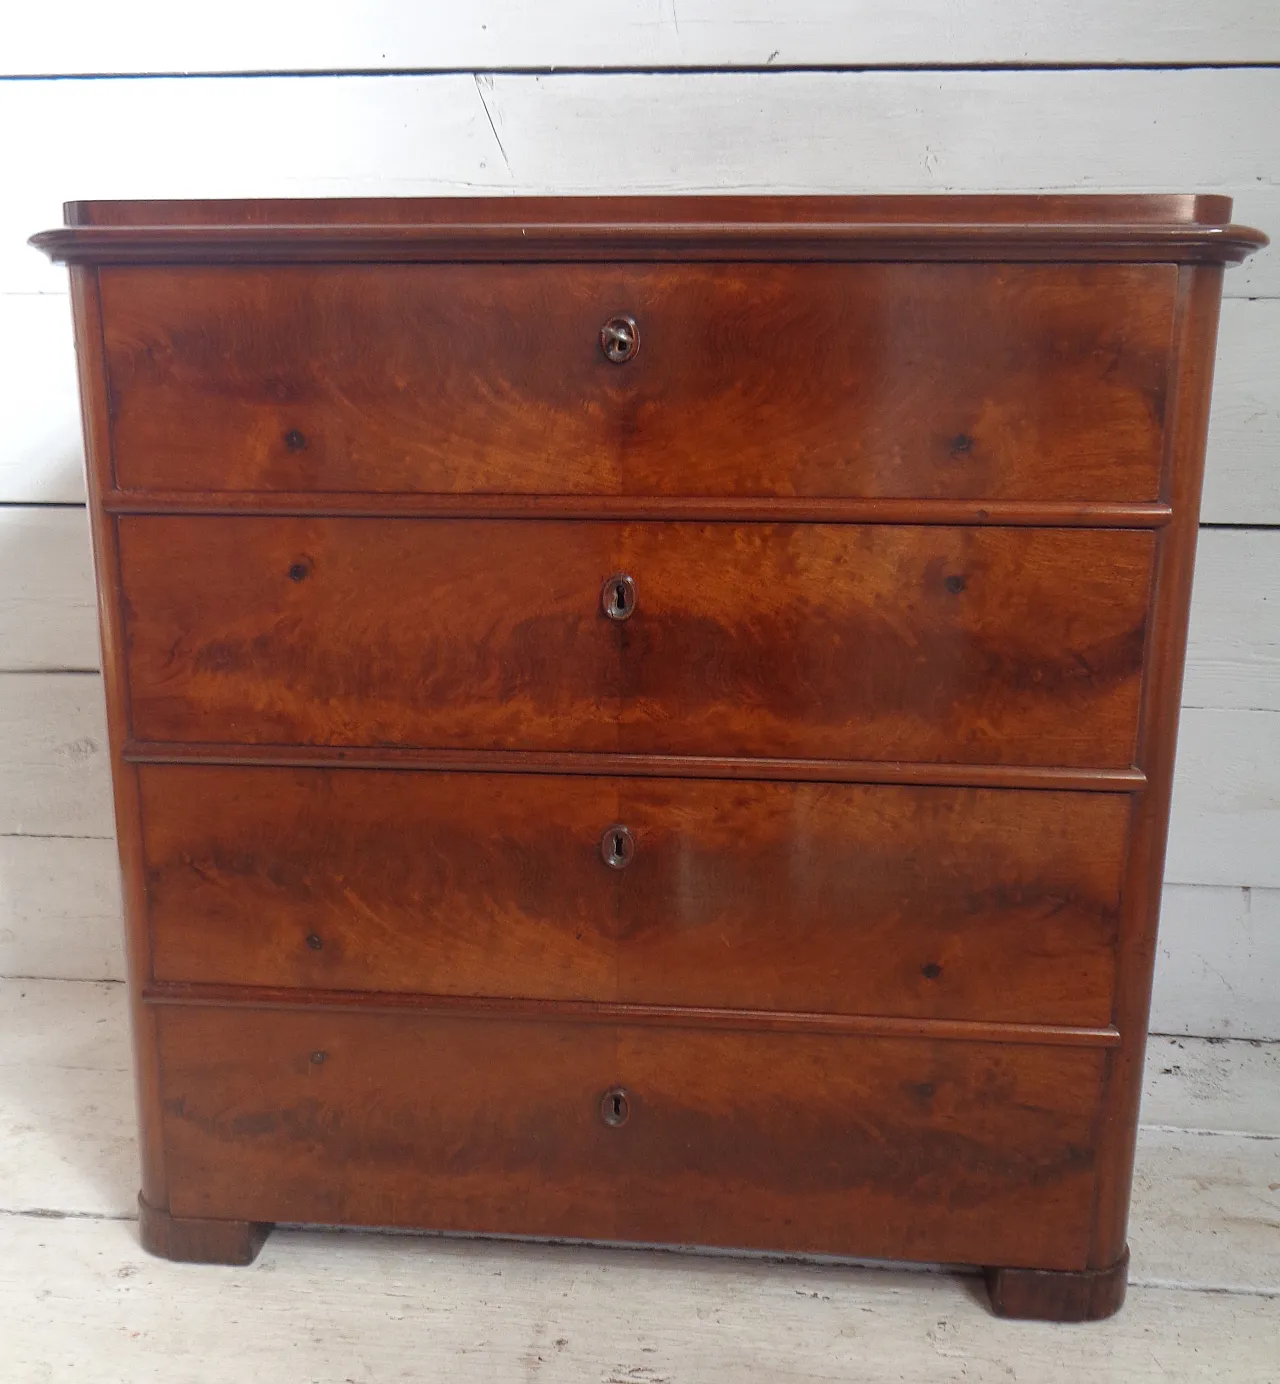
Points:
[620,339]
[617,846]
[618,597]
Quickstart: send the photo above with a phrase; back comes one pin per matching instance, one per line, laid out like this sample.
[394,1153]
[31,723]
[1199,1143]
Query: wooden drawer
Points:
[1017,646]
[1036,382]
[910,1148]
[844,898]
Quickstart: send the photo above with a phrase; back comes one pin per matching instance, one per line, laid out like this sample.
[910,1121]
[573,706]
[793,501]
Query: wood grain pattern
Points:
[894,771]
[184,994]
[855,1146]
[979,381]
[851,899]
[95,404]
[967,645]
[1087,1295]
[758,209]
[698,1064]
[1199,300]
[1103,514]
[692,242]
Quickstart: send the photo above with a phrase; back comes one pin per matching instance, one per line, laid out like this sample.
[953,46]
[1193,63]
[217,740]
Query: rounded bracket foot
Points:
[197,1241]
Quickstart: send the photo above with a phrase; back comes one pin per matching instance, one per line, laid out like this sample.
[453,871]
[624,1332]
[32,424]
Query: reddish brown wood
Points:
[185,993]
[1032,383]
[912,543]
[639,765]
[95,410]
[966,645]
[1205,209]
[738,895]
[198,1240]
[860,1146]
[687,242]
[1057,1295]
[1006,513]
[1197,325]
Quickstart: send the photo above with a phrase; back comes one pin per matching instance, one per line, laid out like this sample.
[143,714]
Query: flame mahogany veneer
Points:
[648,719]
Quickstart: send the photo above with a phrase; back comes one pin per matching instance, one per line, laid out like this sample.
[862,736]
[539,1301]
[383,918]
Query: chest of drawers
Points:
[648,720]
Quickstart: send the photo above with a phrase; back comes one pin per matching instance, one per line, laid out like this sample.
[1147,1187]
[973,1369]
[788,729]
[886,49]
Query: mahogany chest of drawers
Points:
[648,720]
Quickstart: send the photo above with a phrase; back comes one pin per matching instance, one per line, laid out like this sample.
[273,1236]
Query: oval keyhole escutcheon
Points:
[618,597]
[617,846]
[615,1107]
[620,338]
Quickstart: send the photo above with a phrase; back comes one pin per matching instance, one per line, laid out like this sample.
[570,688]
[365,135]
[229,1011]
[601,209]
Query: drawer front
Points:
[1032,382]
[1020,646]
[902,1148]
[843,898]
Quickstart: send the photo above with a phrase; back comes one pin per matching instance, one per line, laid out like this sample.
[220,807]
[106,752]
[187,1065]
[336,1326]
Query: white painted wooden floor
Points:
[80,1301]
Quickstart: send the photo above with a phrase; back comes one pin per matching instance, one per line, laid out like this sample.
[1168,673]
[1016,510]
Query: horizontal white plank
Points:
[325,35]
[41,449]
[54,775]
[1242,464]
[48,614]
[1218,962]
[1206,1209]
[41,457]
[67,1134]
[60,908]
[1212,1084]
[1011,131]
[1225,825]
[1233,644]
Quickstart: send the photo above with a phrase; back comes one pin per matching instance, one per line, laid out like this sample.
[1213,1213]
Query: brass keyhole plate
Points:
[615,1107]
[620,339]
[618,596]
[617,847]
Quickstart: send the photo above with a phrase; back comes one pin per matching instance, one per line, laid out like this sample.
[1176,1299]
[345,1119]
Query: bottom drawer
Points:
[906,1148]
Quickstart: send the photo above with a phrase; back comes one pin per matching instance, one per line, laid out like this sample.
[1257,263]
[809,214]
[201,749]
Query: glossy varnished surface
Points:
[975,381]
[876,979]
[952,903]
[863,642]
[1000,209]
[879,1147]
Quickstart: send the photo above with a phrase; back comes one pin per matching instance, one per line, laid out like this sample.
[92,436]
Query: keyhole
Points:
[618,596]
[620,339]
[615,1106]
[617,846]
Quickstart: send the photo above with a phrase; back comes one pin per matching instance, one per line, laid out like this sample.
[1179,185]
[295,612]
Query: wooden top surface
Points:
[400,211]
[1168,227]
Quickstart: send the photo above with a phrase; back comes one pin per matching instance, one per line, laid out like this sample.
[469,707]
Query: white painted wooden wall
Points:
[324,98]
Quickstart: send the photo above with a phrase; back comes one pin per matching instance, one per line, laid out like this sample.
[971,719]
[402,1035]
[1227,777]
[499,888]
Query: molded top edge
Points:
[619,242]
[930,209]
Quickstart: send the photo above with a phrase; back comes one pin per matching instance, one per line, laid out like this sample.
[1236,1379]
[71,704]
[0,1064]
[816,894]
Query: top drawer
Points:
[962,381]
